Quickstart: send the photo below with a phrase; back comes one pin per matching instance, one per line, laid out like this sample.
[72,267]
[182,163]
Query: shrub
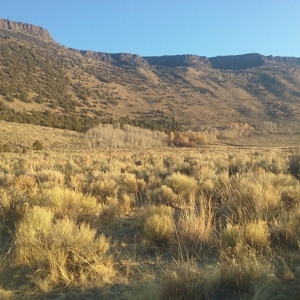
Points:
[184,186]
[196,226]
[27,184]
[183,281]
[160,230]
[75,205]
[294,165]
[61,253]
[290,197]
[159,226]
[241,265]
[104,187]
[256,235]
[231,236]
[110,211]
[165,195]
[37,145]
[125,203]
[128,183]
[7,148]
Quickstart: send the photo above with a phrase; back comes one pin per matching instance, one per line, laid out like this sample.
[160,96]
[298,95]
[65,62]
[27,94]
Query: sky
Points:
[166,27]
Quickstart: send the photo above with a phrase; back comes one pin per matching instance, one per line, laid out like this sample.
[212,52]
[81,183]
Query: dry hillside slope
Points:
[48,84]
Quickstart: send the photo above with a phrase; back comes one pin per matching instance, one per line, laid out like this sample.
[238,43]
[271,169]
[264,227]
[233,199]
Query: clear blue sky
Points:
[166,27]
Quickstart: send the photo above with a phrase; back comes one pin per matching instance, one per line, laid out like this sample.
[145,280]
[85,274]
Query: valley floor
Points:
[212,223]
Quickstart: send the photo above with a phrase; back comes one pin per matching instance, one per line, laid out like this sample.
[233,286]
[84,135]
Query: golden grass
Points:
[196,226]
[107,224]
[61,252]
[241,265]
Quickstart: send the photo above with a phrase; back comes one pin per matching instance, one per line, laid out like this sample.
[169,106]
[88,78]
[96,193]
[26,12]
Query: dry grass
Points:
[159,226]
[65,202]
[182,185]
[109,225]
[183,281]
[196,227]
[60,253]
[241,265]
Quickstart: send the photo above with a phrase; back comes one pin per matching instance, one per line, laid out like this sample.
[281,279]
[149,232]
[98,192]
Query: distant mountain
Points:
[43,82]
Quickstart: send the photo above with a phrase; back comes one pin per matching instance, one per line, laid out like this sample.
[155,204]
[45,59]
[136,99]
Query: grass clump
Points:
[182,185]
[241,265]
[159,227]
[61,253]
[196,226]
[183,281]
[165,195]
[65,202]
[104,187]
[256,235]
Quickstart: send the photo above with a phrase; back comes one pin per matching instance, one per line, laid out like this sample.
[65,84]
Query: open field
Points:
[59,140]
[206,205]
[207,223]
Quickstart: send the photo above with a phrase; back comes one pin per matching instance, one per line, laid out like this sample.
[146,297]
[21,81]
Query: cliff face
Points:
[248,61]
[117,58]
[286,60]
[41,36]
[235,62]
[230,62]
[16,29]
[186,60]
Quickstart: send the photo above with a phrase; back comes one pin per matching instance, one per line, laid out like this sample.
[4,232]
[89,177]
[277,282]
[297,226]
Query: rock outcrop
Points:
[185,60]
[117,58]
[229,62]
[247,61]
[282,59]
[235,62]
[17,29]
[41,37]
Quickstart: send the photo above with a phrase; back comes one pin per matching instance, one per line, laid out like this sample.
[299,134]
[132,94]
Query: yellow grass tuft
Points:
[183,281]
[182,185]
[159,226]
[241,265]
[196,226]
[61,253]
[65,202]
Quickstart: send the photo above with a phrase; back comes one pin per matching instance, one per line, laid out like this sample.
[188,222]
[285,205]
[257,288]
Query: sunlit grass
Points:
[182,224]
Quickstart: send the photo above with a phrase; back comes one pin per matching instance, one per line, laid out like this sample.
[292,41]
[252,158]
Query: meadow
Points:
[150,223]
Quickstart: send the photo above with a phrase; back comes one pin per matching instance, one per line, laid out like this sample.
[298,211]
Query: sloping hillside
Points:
[42,82]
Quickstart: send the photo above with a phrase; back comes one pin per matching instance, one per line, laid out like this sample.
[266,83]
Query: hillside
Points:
[45,83]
